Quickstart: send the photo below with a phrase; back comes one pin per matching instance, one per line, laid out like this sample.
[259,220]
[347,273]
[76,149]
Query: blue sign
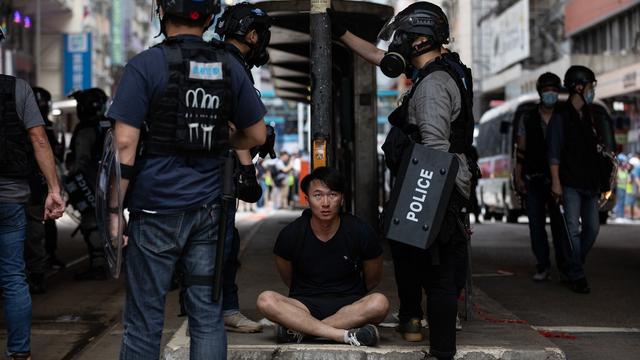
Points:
[77,62]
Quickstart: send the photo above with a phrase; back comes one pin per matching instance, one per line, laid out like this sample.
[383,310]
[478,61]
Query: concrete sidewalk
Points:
[492,333]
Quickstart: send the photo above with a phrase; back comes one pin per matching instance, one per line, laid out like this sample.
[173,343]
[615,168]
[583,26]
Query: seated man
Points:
[330,261]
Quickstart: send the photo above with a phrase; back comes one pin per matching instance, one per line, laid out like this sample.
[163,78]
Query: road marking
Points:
[77,261]
[586,329]
[499,273]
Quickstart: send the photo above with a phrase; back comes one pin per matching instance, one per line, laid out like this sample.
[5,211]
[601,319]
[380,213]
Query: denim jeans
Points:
[539,202]
[157,244]
[581,211]
[15,290]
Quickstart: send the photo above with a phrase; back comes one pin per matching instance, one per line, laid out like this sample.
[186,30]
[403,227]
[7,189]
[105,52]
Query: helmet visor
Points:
[418,22]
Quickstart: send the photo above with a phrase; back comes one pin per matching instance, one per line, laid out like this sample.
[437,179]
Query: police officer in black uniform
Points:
[533,178]
[82,166]
[23,143]
[245,30]
[180,107]
[575,147]
[436,112]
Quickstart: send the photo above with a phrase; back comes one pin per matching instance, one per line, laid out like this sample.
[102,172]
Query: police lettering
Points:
[420,194]
[85,188]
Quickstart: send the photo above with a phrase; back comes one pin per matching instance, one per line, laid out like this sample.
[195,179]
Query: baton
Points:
[566,227]
[227,198]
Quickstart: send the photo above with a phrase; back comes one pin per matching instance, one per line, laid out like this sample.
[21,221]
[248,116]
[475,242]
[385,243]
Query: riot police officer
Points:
[437,112]
[182,103]
[533,178]
[23,142]
[245,30]
[82,166]
[574,154]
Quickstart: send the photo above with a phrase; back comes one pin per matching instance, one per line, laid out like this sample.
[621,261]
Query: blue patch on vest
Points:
[205,71]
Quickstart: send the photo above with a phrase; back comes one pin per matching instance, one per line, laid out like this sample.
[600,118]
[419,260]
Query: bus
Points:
[496,140]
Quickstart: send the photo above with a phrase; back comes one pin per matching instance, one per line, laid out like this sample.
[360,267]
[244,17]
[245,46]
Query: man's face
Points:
[325,203]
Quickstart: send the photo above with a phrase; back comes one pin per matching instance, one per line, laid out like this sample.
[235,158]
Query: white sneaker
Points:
[458,323]
[543,275]
[240,323]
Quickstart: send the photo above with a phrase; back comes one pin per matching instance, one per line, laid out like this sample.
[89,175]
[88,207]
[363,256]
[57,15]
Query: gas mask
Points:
[397,60]
[258,55]
[549,98]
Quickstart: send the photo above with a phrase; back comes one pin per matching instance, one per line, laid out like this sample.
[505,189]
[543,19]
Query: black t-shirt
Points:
[327,268]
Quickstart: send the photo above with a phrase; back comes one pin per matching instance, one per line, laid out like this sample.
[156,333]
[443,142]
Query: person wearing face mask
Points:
[533,178]
[573,146]
[436,112]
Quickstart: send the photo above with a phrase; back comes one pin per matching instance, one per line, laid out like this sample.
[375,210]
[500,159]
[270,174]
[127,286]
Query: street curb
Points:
[178,349]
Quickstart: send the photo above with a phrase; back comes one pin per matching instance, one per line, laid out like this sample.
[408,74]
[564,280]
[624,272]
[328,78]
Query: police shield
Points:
[109,205]
[420,196]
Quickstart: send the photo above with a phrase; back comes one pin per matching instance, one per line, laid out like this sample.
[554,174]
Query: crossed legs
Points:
[293,314]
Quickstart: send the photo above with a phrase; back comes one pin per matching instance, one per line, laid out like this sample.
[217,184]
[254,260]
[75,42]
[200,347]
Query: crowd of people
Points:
[627,188]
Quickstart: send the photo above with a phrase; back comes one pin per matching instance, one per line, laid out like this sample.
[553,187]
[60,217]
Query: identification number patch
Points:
[205,71]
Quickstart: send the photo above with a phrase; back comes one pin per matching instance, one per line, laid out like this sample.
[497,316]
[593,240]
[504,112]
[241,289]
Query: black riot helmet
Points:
[237,21]
[418,19]
[92,103]
[578,75]
[548,79]
[43,99]
[188,10]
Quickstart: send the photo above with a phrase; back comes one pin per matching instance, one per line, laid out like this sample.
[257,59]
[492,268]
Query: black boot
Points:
[20,356]
[37,284]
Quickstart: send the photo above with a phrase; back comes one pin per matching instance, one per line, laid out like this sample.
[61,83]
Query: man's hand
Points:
[268,148]
[556,191]
[114,230]
[53,206]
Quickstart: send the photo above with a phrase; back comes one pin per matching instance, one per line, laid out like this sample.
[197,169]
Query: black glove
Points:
[248,188]
[337,27]
[268,147]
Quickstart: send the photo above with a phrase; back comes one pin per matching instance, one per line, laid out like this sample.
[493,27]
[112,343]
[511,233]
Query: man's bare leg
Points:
[294,315]
[371,309]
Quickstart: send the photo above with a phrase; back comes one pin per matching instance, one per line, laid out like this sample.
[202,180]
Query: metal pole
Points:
[38,50]
[321,86]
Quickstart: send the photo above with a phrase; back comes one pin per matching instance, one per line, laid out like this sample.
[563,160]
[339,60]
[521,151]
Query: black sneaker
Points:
[364,336]
[581,286]
[284,335]
[411,330]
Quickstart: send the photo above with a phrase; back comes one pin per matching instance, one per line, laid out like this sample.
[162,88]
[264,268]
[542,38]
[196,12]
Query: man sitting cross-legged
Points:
[329,260]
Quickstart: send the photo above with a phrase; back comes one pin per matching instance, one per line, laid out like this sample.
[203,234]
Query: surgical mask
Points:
[549,98]
[589,95]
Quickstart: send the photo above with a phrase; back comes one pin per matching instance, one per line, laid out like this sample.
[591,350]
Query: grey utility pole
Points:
[38,42]
[321,100]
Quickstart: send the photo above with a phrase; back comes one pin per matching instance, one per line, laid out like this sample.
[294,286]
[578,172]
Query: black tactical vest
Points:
[461,137]
[579,157]
[536,160]
[190,118]
[16,153]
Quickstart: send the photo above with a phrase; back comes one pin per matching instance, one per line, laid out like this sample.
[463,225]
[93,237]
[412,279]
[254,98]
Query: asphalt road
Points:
[80,320]
[602,325]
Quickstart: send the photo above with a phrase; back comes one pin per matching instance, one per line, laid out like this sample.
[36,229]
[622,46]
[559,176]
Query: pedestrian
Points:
[82,165]
[438,107]
[245,30]
[622,178]
[533,178]
[575,169]
[23,144]
[174,185]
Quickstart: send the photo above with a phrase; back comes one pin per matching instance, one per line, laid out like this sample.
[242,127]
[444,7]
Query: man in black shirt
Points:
[533,178]
[330,261]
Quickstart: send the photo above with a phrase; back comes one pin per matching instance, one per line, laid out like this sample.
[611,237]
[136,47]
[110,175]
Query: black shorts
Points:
[321,307]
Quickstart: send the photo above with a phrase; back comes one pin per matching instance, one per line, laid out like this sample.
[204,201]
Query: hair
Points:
[331,177]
